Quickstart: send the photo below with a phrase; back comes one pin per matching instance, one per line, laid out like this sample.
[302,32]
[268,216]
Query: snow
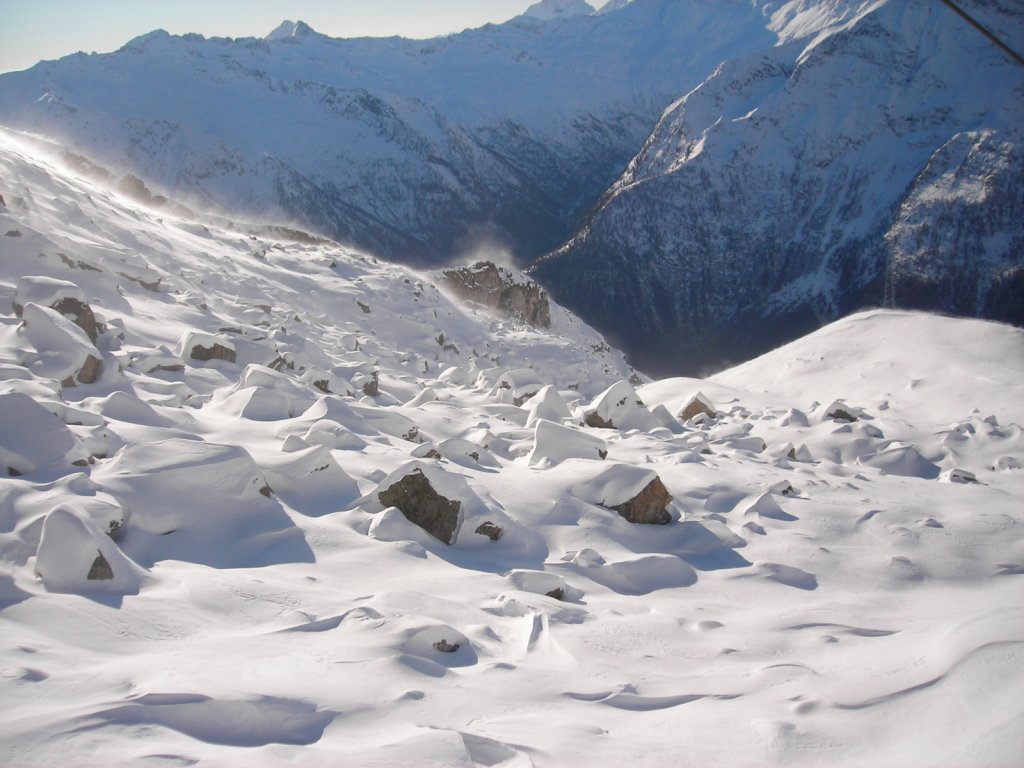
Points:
[547,10]
[849,604]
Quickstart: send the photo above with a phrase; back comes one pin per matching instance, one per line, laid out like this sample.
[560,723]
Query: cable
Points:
[981,28]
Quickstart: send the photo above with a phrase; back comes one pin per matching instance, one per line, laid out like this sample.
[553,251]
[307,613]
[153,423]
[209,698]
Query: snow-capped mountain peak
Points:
[288,30]
[547,10]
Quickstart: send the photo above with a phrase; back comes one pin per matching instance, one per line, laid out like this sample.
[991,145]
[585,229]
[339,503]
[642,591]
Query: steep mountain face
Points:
[413,149]
[876,160]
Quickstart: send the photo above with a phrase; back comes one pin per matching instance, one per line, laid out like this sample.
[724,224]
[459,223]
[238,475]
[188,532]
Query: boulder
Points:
[555,443]
[517,386]
[75,556]
[546,404]
[411,491]
[697,404]
[62,296]
[619,407]
[201,503]
[490,530]
[204,347]
[64,350]
[636,494]
[499,289]
[838,410]
[33,440]
[649,506]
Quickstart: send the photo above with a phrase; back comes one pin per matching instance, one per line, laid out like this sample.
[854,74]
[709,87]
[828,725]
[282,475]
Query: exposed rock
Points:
[371,386]
[100,569]
[490,530]
[149,285]
[619,407]
[445,647]
[558,594]
[61,296]
[421,504]
[215,352]
[960,476]
[64,351]
[203,347]
[649,506]
[75,556]
[496,288]
[699,403]
[840,411]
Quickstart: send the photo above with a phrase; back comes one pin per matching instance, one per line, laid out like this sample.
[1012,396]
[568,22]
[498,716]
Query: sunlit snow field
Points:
[828,592]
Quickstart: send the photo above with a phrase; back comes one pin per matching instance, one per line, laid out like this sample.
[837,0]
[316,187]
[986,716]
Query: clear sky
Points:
[33,30]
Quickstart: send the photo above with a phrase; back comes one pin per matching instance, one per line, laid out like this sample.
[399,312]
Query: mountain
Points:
[415,150]
[546,10]
[266,500]
[874,162]
[700,179]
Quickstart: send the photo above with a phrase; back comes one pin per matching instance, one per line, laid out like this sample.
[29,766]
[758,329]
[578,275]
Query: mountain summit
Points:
[546,10]
[290,30]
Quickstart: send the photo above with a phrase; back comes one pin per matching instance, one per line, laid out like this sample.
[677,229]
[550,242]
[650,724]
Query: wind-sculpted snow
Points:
[395,528]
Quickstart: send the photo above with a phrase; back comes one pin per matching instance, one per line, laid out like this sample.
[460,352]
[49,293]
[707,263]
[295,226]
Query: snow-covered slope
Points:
[199,564]
[872,156]
[411,149]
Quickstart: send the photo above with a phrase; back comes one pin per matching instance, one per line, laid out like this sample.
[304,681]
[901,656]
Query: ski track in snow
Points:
[826,593]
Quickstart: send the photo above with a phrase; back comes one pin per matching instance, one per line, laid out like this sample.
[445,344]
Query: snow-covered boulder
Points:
[546,404]
[903,460]
[428,496]
[554,443]
[64,351]
[538,582]
[75,556]
[466,453]
[839,410]
[203,347]
[697,404]
[62,296]
[960,476]
[258,399]
[636,494]
[33,440]
[309,480]
[518,386]
[619,407]
[763,506]
[200,502]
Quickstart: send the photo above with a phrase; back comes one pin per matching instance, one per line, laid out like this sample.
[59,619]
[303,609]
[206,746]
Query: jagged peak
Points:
[289,30]
[613,5]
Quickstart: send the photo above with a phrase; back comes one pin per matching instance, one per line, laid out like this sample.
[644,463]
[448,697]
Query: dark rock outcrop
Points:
[421,504]
[213,352]
[490,530]
[495,288]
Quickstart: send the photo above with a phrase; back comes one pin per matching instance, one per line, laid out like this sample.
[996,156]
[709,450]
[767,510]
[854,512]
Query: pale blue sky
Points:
[32,30]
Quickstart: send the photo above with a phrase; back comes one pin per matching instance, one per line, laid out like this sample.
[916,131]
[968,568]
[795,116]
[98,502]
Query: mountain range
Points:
[698,179]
